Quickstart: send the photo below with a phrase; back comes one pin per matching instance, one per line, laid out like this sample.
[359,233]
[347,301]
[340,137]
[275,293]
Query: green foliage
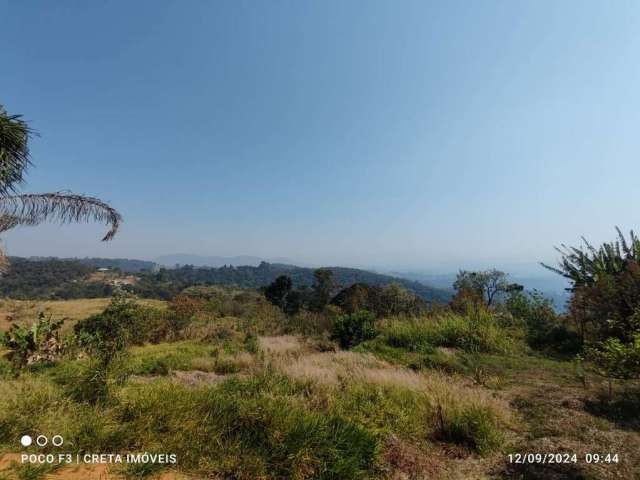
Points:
[32,209]
[254,432]
[545,330]
[278,291]
[413,335]
[605,302]
[106,335]
[323,289]
[583,266]
[281,294]
[474,426]
[384,409]
[487,284]
[39,343]
[616,359]
[383,301]
[251,344]
[14,151]
[49,279]
[479,331]
[351,329]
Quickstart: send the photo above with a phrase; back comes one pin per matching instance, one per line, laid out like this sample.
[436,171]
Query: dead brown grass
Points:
[24,312]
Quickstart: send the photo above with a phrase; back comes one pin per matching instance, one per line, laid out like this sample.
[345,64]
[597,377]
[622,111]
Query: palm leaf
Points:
[62,207]
[14,151]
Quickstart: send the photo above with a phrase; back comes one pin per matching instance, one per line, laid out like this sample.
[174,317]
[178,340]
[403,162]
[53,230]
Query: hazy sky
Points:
[348,132]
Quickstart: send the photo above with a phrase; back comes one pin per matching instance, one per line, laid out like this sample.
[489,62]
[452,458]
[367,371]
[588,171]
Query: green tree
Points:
[605,286]
[324,287]
[278,291]
[30,209]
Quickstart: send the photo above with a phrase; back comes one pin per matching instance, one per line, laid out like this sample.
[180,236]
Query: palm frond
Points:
[62,207]
[14,151]
[585,265]
[7,222]
[4,261]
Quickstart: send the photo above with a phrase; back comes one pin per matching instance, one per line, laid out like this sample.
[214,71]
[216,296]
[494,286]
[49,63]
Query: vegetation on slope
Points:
[51,278]
[238,388]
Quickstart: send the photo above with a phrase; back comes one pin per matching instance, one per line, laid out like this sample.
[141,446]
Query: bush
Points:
[545,330]
[616,359]
[40,343]
[107,334]
[350,330]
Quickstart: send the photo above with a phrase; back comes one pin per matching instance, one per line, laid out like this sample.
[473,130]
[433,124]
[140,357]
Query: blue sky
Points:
[359,133]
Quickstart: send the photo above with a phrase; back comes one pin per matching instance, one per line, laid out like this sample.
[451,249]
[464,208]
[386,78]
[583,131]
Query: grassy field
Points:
[428,398]
[23,312]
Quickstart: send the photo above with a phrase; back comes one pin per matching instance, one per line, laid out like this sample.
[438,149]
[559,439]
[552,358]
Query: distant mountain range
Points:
[217,261]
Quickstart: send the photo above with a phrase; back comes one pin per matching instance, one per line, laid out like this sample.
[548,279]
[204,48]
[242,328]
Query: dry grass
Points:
[24,312]
[333,369]
[281,345]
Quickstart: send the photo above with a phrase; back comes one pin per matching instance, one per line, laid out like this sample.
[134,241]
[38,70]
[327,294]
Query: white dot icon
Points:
[26,440]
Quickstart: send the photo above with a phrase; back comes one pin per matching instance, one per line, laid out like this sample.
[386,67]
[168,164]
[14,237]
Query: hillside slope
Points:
[265,273]
[52,278]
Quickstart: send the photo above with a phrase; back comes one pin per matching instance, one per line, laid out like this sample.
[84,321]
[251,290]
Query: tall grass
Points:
[478,332]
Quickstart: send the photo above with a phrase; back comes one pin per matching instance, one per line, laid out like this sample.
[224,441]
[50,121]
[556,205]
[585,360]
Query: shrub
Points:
[107,334]
[181,312]
[545,330]
[350,330]
[616,359]
[40,343]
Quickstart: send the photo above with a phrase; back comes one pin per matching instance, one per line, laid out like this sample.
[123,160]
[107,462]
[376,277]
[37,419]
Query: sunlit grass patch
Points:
[161,358]
[478,333]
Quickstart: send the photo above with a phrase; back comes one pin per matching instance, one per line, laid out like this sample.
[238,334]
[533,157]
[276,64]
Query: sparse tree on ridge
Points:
[486,284]
[29,209]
